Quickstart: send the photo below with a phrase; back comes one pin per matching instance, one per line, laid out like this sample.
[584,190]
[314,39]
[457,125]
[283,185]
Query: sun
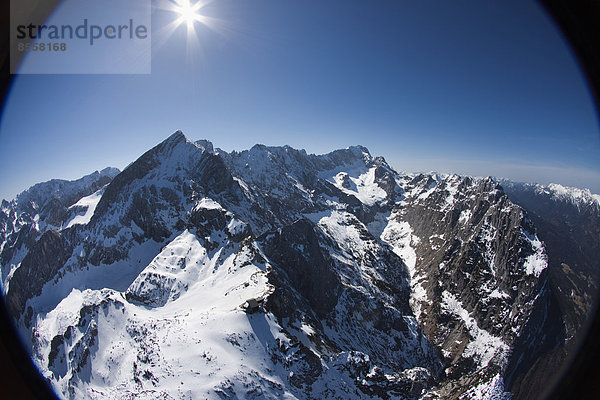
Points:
[191,14]
[188,12]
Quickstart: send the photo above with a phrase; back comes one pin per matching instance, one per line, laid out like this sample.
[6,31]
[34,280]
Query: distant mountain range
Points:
[273,273]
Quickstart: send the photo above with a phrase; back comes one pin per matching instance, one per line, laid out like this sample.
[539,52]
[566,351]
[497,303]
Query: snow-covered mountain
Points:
[51,205]
[272,273]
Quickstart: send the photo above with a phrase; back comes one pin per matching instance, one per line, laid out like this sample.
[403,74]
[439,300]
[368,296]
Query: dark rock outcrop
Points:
[39,266]
[297,255]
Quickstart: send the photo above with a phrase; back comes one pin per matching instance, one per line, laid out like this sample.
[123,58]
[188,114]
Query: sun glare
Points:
[191,14]
[188,13]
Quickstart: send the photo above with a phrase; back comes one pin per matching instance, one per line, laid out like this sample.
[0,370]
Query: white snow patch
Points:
[451,185]
[426,192]
[488,236]
[356,181]
[465,216]
[399,235]
[208,204]
[498,294]
[185,263]
[236,226]
[89,203]
[483,346]
[535,263]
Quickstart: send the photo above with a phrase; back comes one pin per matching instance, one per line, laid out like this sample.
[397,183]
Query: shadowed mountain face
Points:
[368,283]
[568,221]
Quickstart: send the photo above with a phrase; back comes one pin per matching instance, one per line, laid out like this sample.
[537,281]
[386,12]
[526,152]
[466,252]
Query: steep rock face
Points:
[374,284]
[540,351]
[478,253]
[307,269]
[40,265]
[568,221]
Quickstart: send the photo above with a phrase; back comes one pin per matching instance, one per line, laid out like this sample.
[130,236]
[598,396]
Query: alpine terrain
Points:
[272,273]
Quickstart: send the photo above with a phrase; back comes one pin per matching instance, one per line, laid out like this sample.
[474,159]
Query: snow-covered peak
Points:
[566,193]
[360,151]
[110,171]
[339,158]
[577,197]
[175,137]
[266,165]
[178,138]
[167,159]
[63,189]
[205,145]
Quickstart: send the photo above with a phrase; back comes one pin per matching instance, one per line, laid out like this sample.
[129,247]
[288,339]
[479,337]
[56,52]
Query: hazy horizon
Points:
[516,173]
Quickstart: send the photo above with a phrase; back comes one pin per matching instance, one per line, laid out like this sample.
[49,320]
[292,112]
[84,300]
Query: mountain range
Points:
[273,273]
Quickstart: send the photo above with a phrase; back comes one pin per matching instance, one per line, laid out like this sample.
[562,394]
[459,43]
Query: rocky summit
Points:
[273,273]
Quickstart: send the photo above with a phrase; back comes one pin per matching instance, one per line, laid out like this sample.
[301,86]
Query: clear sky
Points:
[473,87]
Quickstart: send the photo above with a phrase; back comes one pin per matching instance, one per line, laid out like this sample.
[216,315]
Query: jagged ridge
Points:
[374,283]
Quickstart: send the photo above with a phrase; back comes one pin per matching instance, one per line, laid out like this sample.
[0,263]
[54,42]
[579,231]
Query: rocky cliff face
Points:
[477,270]
[568,221]
[373,284]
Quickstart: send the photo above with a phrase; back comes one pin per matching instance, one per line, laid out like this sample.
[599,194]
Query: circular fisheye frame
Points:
[232,199]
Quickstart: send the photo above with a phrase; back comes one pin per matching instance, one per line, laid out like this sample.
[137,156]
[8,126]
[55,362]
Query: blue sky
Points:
[480,88]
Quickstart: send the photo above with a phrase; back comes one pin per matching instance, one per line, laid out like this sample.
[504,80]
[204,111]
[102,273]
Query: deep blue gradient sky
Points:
[480,88]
